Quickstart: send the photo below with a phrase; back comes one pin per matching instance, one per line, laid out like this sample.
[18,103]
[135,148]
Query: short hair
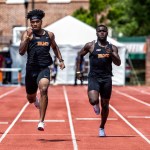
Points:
[37,13]
[101,25]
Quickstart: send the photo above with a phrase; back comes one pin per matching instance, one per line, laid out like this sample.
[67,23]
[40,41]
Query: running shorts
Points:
[101,85]
[33,77]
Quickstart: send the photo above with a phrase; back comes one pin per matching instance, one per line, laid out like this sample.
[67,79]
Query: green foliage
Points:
[97,6]
[85,16]
[130,17]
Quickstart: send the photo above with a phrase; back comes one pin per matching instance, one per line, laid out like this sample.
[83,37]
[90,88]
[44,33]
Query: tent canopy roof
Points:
[71,31]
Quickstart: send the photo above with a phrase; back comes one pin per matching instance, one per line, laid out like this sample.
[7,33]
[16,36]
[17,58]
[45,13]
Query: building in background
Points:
[13,12]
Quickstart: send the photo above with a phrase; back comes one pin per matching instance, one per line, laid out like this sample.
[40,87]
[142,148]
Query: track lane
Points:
[87,131]
[129,108]
[137,92]
[9,100]
[56,135]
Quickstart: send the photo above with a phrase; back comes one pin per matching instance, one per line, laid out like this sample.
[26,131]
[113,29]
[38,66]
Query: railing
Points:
[2,70]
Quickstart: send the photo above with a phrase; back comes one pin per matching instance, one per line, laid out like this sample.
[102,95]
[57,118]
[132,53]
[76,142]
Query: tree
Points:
[96,14]
[85,16]
[129,17]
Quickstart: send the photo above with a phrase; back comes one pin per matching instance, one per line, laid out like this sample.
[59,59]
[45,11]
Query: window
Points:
[58,1]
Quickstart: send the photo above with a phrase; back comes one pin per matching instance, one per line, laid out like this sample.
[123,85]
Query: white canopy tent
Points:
[71,35]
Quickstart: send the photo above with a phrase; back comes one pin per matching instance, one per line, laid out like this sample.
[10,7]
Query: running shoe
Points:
[36,103]
[96,109]
[102,132]
[41,126]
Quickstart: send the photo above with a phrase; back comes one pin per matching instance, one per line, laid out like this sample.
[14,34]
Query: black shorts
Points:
[32,79]
[101,85]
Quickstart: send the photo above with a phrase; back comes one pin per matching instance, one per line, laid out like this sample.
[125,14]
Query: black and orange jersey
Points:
[100,62]
[38,52]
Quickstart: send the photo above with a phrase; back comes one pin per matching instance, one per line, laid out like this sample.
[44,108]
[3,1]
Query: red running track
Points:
[71,123]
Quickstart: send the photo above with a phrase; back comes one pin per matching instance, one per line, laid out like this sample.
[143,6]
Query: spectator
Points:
[82,69]
[54,69]
[8,63]
[1,61]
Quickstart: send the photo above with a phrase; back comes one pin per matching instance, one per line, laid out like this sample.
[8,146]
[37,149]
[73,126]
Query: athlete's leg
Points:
[75,79]
[93,94]
[31,97]
[104,112]
[93,97]
[93,91]
[31,86]
[94,100]
[43,87]
[106,89]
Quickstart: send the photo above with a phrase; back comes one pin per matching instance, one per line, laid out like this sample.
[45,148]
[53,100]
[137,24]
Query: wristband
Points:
[78,72]
[61,60]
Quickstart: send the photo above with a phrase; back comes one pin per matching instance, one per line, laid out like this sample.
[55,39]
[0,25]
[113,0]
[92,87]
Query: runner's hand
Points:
[29,32]
[109,50]
[62,65]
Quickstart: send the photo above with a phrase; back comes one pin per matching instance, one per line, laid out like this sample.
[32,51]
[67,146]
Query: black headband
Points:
[36,17]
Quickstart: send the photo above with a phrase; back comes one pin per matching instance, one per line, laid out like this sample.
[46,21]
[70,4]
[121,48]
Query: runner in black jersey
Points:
[37,43]
[101,56]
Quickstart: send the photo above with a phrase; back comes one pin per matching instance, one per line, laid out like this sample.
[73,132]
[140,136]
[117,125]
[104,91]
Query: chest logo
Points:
[103,55]
[98,50]
[42,43]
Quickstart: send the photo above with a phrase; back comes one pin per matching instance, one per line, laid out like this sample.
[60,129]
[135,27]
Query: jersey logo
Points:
[42,43]
[98,50]
[103,55]
[37,37]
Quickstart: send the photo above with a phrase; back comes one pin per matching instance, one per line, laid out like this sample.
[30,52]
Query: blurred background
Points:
[73,22]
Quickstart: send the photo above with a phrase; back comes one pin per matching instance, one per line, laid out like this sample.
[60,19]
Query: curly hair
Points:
[36,12]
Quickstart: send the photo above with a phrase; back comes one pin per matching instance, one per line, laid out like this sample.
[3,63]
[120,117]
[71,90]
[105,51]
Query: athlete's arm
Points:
[26,36]
[87,48]
[56,50]
[115,56]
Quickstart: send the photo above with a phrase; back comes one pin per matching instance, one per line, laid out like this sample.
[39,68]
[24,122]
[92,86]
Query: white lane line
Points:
[9,92]
[142,91]
[131,97]
[75,146]
[86,119]
[145,117]
[44,120]
[130,125]
[3,122]
[14,121]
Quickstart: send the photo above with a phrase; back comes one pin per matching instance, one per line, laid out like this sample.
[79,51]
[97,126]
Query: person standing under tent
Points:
[37,43]
[82,69]
[54,70]
[101,56]
[8,64]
